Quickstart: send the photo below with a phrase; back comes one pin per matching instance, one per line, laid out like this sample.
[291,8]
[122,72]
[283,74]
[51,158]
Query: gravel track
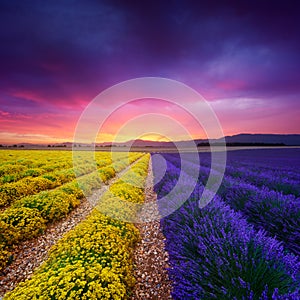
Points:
[150,257]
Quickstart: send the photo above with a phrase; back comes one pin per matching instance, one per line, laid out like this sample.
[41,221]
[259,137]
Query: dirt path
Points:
[28,255]
[150,258]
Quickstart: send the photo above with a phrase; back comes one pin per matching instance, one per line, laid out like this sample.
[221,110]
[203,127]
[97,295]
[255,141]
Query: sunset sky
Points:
[56,56]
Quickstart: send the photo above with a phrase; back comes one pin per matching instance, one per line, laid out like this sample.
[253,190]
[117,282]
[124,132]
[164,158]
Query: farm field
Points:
[245,244]
[27,215]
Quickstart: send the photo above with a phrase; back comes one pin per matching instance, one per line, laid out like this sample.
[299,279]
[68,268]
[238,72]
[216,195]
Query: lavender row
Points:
[245,166]
[271,211]
[280,181]
[215,254]
[274,212]
[285,160]
[171,195]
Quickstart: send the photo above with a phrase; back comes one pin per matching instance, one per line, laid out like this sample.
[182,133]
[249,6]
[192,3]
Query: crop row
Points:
[283,160]
[93,260]
[32,159]
[283,181]
[10,192]
[269,210]
[28,217]
[14,171]
[42,162]
[272,211]
[226,258]
[112,203]
[276,182]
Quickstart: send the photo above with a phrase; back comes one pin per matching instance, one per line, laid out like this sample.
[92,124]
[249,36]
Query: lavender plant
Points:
[216,254]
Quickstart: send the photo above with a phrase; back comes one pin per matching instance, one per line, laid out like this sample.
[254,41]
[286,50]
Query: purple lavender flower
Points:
[215,249]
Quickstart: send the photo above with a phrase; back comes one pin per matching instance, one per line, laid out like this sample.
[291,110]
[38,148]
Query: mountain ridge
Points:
[249,138]
[241,138]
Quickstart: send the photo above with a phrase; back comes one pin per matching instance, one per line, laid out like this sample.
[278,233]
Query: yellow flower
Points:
[93,260]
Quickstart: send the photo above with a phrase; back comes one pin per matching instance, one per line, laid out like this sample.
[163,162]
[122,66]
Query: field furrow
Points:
[150,258]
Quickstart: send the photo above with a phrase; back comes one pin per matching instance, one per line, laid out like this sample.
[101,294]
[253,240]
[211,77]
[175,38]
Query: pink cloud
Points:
[231,84]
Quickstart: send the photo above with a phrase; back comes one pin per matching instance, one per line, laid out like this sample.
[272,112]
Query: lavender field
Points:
[245,244]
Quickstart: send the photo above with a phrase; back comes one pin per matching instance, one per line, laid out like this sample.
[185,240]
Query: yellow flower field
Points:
[94,260]
[36,201]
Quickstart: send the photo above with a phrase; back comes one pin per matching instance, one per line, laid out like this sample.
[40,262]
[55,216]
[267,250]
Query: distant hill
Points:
[243,139]
[287,139]
[246,139]
[139,143]
[238,140]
